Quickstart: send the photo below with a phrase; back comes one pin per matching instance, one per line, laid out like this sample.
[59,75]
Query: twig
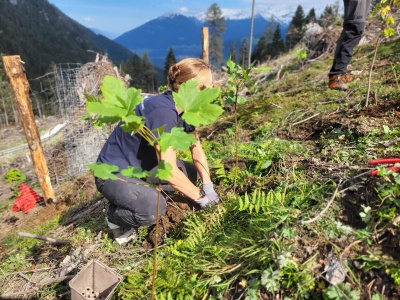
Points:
[44,238]
[326,208]
[279,73]
[348,248]
[209,136]
[302,121]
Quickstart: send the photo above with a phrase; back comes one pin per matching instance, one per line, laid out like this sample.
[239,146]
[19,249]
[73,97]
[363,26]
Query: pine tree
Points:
[277,45]
[169,61]
[311,16]
[232,52]
[261,51]
[149,74]
[328,16]
[217,28]
[296,28]
[244,54]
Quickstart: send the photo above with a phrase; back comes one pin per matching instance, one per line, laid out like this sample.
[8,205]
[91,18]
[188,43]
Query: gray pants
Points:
[355,13]
[133,202]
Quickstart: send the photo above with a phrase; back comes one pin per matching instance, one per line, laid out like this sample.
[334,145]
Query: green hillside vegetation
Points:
[41,34]
[299,211]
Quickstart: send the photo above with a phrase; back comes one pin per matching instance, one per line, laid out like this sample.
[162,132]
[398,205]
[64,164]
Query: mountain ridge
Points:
[183,34]
[42,34]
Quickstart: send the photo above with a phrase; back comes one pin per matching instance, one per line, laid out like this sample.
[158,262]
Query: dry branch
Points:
[44,238]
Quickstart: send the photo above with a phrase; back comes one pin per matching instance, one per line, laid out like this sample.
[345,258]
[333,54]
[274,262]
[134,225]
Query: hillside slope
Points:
[301,216]
[41,34]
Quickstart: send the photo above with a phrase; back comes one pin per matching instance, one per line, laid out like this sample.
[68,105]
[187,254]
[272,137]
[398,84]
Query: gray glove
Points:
[204,202]
[208,189]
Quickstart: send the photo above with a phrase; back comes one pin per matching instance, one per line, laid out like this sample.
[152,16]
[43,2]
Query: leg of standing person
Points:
[355,12]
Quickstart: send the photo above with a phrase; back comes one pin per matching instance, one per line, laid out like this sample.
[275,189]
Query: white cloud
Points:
[88,19]
[184,10]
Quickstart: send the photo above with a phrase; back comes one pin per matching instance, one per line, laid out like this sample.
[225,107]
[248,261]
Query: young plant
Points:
[238,79]
[118,104]
[15,177]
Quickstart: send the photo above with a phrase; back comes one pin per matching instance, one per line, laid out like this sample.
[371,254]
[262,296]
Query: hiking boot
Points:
[347,78]
[122,235]
[337,82]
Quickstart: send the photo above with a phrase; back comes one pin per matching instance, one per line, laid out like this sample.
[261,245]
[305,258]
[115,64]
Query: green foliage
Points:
[342,291]
[301,55]
[259,201]
[15,176]
[395,274]
[384,13]
[197,106]
[118,104]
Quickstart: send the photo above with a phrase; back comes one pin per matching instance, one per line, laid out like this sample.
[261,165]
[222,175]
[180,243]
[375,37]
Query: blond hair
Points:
[186,69]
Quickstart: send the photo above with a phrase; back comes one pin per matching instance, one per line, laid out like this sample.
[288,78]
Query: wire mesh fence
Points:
[58,103]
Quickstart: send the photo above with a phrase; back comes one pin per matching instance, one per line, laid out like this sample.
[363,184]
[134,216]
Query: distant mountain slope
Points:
[155,37]
[41,34]
[183,34]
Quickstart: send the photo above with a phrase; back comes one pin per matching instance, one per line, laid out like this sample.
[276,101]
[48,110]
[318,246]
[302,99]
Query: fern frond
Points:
[258,201]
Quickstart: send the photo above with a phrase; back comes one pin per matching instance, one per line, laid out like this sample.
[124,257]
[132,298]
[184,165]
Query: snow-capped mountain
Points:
[183,34]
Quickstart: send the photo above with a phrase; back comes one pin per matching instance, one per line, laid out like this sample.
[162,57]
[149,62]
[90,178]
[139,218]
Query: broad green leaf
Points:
[135,172]
[112,88]
[134,98]
[163,171]
[133,123]
[109,120]
[99,108]
[177,139]
[103,171]
[197,106]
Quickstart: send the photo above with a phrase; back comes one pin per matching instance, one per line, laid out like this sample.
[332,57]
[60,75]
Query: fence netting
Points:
[69,143]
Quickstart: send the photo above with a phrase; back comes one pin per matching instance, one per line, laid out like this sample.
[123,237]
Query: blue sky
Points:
[119,16]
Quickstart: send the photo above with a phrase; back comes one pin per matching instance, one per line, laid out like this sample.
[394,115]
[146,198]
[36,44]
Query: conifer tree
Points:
[311,16]
[296,28]
[169,61]
[261,51]
[277,45]
[149,74]
[217,28]
[244,54]
[328,16]
[232,52]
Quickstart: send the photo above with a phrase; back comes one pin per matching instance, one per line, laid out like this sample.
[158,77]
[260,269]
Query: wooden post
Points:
[20,86]
[205,44]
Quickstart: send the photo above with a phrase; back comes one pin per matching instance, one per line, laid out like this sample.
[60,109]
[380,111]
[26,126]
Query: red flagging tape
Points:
[26,200]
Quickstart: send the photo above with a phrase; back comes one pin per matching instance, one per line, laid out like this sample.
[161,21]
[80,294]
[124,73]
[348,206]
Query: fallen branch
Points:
[44,238]
[326,208]
[302,121]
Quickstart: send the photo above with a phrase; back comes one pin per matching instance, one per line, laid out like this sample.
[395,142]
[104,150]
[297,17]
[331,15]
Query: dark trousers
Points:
[355,13]
[133,202]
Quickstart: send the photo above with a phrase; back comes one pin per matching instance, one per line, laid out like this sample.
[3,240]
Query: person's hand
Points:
[204,202]
[208,189]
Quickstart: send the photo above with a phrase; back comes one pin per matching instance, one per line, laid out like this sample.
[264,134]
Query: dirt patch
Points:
[358,121]
[178,208]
